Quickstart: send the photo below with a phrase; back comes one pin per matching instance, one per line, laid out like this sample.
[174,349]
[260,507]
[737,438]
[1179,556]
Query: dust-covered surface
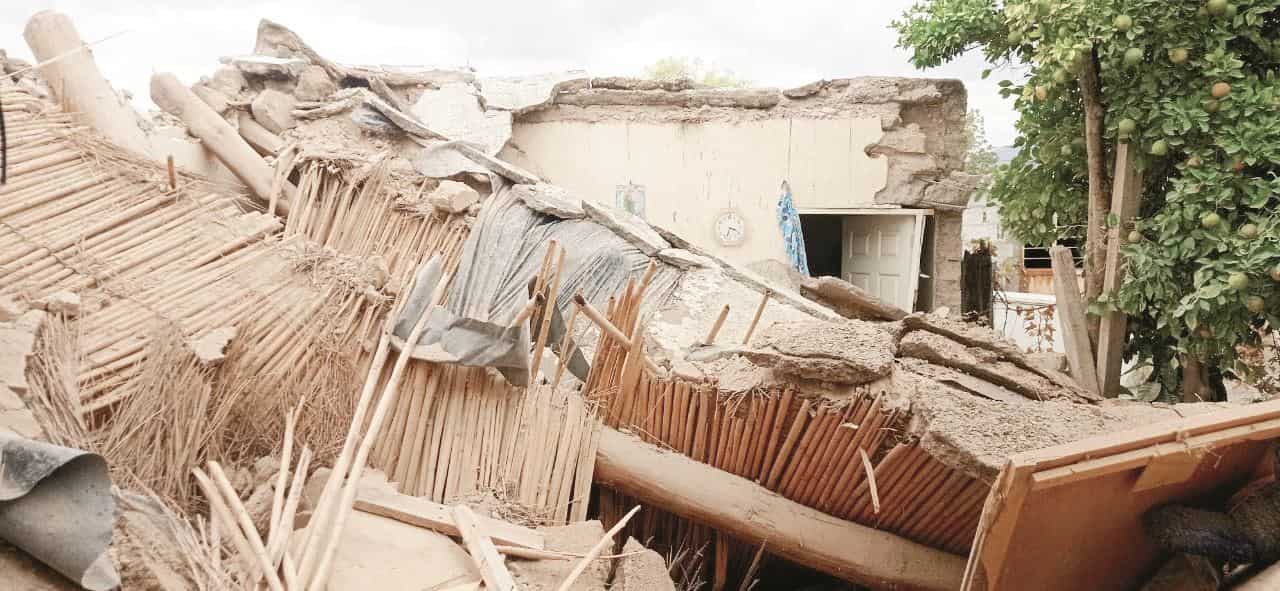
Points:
[641,569]
[977,435]
[547,575]
[847,352]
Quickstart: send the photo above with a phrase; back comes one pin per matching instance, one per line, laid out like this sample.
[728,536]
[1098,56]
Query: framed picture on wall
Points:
[630,197]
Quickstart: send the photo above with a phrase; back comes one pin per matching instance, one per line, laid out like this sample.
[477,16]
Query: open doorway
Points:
[822,240]
[882,251]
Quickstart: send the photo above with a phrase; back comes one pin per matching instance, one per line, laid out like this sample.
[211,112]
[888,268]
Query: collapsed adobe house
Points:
[747,420]
[861,157]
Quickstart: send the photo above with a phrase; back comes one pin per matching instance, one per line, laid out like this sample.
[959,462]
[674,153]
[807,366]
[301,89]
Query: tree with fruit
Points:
[1192,87]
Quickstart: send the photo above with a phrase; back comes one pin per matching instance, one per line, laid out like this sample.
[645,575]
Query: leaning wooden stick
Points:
[344,507]
[715,328]
[221,516]
[597,550]
[764,301]
[235,512]
[608,327]
[323,510]
[280,542]
[871,480]
[282,477]
[483,553]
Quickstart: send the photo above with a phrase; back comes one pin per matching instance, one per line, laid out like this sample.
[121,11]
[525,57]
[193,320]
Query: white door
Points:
[882,256]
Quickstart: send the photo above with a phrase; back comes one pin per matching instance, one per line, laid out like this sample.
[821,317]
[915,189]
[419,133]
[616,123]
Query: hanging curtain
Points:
[792,235]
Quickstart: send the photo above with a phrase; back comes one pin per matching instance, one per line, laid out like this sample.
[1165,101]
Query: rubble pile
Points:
[315,310]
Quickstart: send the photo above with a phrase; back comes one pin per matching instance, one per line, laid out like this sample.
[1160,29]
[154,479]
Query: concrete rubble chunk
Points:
[684,259]
[228,80]
[641,570]
[60,302]
[453,197]
[984,364]
[274,110]
[843,352]
[216,99]
[524,93]
[211,348]
[628,226]
[809,89]
[752,98]
[9,400]
[625,83]
[10,308]
[267,66]
[314,84]
[454,111]
[550,200]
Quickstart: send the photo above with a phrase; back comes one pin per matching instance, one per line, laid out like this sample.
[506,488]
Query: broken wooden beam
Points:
[485,556]
[78,83]
[1071,317]
[848,299]
[1125,198]
[426,514]
[218,137]
[753,514]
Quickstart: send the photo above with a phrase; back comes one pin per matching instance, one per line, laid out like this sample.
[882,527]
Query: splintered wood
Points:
[807,450]
[458,431]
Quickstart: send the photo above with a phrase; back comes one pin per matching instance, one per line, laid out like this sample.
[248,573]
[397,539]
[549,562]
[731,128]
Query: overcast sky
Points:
[771,43]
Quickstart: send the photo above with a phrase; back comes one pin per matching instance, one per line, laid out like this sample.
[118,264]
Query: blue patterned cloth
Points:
[792,235]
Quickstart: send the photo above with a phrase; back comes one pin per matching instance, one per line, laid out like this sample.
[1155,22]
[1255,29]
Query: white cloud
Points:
[770,43]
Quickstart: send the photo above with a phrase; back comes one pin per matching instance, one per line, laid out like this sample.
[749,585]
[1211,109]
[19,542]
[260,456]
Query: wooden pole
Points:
[715,328]
[596,550]
[79,84]
[753,514]
[218,137]
[764,301]
[1125,199]
[1071,317]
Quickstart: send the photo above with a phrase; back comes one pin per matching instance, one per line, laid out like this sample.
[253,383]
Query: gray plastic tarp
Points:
[56,505]
[491,285]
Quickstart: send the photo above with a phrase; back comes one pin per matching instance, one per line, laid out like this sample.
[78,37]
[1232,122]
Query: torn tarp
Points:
[56,505]
[491,285]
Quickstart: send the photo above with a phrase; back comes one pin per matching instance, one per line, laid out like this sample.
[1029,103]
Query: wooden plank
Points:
[1079,501]
[492,569]
[1165,469]
[426,514]
[1126,196]
[1071,316]
[1093,468]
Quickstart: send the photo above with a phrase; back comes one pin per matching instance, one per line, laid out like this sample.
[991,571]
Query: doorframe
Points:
[917,238]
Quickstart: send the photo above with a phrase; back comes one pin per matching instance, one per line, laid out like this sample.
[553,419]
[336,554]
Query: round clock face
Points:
[730,228]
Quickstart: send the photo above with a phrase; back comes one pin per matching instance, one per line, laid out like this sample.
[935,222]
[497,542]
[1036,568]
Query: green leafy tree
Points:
[1192,87]
[683,68]
[980,158]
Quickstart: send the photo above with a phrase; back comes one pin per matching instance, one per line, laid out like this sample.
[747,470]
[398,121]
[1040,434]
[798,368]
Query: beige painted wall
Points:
[691,172]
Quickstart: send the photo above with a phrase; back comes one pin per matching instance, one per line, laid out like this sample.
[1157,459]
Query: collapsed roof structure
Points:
[580,361]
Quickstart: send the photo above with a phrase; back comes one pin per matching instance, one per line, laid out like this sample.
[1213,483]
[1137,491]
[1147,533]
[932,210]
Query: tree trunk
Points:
[1096,235]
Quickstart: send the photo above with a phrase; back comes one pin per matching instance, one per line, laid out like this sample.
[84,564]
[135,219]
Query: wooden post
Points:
[977,286]
[1125,199]
[80,85]
[1071,316]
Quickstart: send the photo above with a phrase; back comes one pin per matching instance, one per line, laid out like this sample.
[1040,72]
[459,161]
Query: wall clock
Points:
[730,228]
